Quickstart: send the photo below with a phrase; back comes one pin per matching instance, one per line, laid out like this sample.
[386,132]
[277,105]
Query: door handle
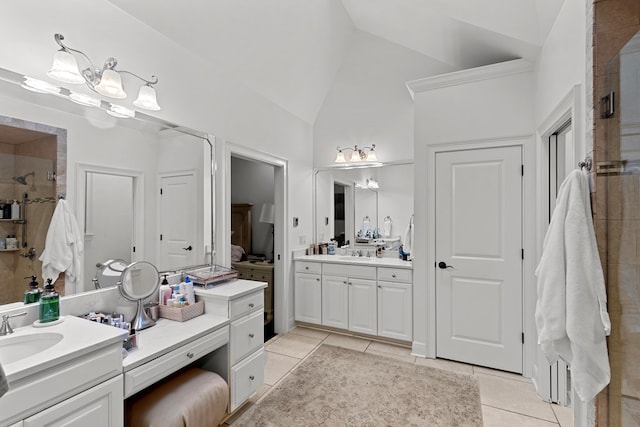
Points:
[443,265]
[188,248]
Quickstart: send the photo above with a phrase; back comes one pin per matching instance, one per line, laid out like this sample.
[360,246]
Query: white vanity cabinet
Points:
[308,292]
[395,317]
[242,301]
[349,297]
[369,296]
[100,406]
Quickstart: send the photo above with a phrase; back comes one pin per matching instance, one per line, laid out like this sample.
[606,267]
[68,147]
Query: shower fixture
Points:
[23,178]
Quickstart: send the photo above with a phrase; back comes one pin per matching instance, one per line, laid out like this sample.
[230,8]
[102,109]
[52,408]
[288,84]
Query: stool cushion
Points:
[193,398]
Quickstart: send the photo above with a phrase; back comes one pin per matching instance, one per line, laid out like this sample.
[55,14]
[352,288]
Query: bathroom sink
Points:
[356,258]
[18,347]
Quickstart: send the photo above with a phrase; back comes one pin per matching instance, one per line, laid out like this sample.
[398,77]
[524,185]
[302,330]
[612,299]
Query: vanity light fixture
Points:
[363,154]
[83,99]
[120,112]
[40,86]
[106,81]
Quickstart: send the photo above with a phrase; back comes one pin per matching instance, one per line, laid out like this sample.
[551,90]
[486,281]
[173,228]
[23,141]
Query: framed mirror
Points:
[345,197]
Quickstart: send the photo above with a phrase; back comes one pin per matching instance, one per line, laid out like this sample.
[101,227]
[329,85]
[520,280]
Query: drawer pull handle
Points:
[250,305]
[306,268]
[393,275]
[190,355]
[317,280]
[251,377]
[251,335]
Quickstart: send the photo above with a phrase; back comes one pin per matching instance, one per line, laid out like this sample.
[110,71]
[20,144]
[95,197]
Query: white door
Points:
[479,257]
[335,302]
[363,306]
[177,228]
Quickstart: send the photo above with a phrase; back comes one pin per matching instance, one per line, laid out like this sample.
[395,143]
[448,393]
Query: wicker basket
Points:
[181,314]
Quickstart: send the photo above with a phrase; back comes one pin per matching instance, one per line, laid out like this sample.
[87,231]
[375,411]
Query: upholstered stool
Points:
[192,398]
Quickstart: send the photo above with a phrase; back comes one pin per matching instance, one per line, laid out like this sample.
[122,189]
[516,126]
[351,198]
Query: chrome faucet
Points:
[5,328]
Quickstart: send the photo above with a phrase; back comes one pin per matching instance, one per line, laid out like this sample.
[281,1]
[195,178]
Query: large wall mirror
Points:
[348,201]
[141,188]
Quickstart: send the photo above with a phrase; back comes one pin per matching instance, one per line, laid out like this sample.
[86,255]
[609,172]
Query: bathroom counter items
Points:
[363,260]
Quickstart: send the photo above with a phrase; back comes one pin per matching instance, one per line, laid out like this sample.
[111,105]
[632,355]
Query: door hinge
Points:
[161,191]
[521,170]
[522,253]
[161,237]
[134,249]
[523,338]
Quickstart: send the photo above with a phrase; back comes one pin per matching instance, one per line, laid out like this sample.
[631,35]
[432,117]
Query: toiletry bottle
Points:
[188,286]
[6,211]
[15,210]
[33,293]
[165,291]
[49,304]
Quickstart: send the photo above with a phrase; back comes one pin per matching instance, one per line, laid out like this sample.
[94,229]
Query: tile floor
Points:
[507,399]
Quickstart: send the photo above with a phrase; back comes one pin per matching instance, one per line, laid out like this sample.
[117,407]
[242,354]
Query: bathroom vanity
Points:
[74,371]
[365,295]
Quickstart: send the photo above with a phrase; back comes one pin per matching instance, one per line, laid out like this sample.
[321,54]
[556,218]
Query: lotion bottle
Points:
[15,210]
[49,304]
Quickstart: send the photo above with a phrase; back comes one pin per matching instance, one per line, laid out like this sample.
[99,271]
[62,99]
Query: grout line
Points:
[520,413]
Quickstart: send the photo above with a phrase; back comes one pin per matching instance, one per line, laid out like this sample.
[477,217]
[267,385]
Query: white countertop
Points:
[167,335]
[80,337]
[345,259]
[232,289]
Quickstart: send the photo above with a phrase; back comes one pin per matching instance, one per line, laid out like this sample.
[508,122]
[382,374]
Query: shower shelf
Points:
[9,250]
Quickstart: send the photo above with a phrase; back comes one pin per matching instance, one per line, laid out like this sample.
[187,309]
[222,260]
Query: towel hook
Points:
[587,163]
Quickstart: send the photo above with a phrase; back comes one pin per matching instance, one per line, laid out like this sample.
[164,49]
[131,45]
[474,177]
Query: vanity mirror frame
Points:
[10,85]
[350,206]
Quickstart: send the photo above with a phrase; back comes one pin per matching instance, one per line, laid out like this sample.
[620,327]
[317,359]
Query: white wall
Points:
[368,102]
[477,106]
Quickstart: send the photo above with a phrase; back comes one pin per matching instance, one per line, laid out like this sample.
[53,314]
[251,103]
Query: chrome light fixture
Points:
[106,81]
[363,154]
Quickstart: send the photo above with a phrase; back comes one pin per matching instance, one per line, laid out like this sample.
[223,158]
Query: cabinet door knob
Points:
[190,355]
[306,268]
[393,275]
[251,335]
[318,279]
[250,305]
[251,377]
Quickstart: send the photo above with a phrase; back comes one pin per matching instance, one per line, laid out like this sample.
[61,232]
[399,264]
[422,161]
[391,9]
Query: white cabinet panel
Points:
[308,298]
[247,335]
[335,302]
[395,318]
[363,306]
[100,406]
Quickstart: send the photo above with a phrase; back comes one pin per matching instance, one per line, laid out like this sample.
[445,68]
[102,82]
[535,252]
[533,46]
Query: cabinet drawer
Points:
[246,377]
[404,275]
[349,270]
[147,374]
[247,335]
[241,306]
[308,267]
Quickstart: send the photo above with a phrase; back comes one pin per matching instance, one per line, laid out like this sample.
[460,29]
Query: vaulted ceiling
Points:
[290,51]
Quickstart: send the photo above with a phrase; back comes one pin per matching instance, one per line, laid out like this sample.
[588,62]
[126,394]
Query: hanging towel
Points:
[63,247]
[4,384]
[571,310]
[407,242]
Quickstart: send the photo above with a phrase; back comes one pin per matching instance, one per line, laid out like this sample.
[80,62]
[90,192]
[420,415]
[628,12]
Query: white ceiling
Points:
[290,51]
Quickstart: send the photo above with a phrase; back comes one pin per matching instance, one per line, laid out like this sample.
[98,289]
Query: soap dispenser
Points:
[49,304]
[33,293]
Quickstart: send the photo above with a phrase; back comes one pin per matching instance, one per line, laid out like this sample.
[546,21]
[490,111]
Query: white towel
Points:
[63,247]
[407,242]
[571,313]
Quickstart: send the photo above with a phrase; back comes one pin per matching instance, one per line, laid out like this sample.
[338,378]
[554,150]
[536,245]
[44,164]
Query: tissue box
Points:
[181,314]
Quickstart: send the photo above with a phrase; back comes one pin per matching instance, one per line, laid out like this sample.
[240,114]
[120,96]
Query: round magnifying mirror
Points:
[139,280]
[108,273]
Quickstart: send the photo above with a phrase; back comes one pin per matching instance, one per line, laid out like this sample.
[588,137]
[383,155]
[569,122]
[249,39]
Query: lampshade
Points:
[340,157]
[267,213]
[147,99]
[111,85]
[65,68]
[371,156]
[355,156]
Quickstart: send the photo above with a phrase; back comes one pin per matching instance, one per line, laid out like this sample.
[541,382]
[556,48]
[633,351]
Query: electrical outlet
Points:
[302,240]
